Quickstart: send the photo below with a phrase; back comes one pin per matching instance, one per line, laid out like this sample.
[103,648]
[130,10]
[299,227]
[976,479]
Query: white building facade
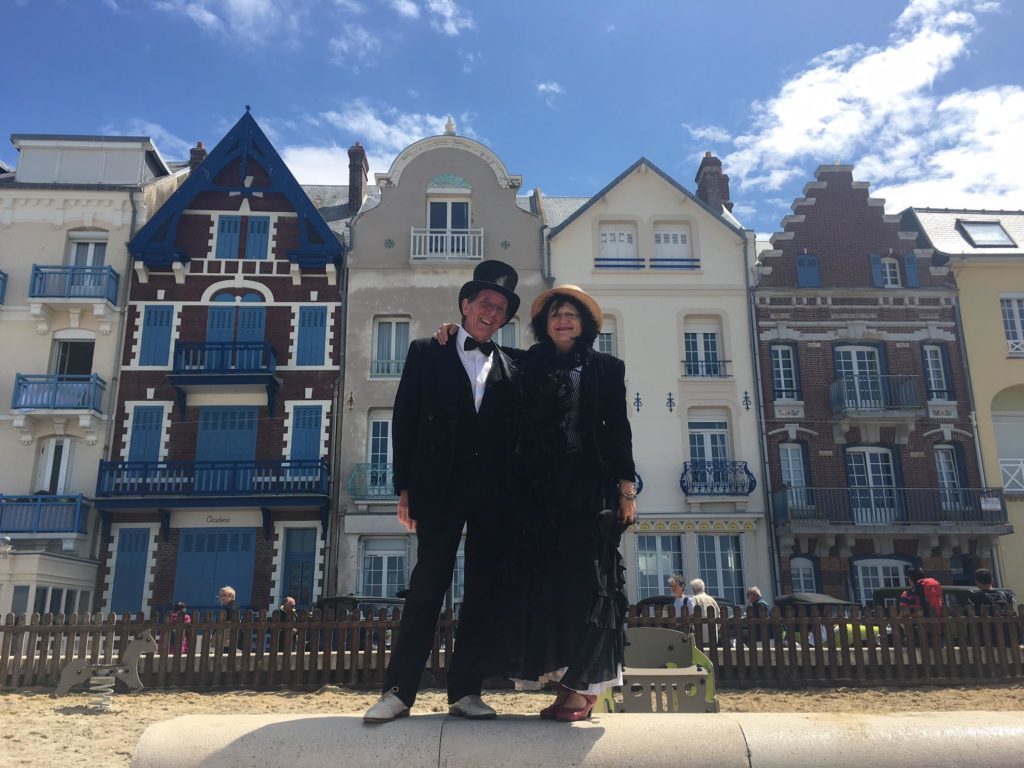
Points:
[669,271]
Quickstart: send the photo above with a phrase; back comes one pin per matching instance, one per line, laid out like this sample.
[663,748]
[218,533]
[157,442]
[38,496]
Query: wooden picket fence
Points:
[261,652]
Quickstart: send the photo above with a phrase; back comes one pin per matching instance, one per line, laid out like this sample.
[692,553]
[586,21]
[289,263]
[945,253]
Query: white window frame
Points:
[1012,309]
[508,335]
[607,339]
[76,239]
[666,564]
[802,574]
[935,374]
[672,245]
[891,273]
[703,364]
[618,242]
[397,549]
[947,471]
[778,353]
[792,467]
[395,363]
[882,499]
[379,417]
[45,465]
[713,573]
[881,572]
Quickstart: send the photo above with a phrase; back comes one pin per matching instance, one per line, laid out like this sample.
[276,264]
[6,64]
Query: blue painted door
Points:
[226,434]
[130,569]
[220,332]
[211,558]
[299,565]
[147,431]
[306,442]
[252,323]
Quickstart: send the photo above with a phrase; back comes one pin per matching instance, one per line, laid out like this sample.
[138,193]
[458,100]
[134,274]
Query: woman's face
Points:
[564,326]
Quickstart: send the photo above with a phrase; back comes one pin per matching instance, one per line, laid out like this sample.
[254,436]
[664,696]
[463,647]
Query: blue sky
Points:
[925,97]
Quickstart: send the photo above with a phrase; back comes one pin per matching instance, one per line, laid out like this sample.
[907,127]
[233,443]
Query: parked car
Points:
[656,601]
[832,610]
[361,607]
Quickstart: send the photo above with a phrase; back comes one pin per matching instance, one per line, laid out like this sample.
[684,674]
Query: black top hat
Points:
[497,276]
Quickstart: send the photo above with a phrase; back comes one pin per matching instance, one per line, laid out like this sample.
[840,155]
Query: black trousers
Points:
[437,548]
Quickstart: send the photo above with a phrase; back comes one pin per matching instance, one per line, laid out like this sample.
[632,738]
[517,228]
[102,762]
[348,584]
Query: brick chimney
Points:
[712,184]
[358,173]
[196,156]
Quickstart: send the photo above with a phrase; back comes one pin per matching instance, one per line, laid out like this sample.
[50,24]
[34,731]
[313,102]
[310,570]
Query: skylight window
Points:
[985,234]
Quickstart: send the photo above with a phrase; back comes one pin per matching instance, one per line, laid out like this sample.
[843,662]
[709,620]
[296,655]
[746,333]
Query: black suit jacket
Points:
[426,424]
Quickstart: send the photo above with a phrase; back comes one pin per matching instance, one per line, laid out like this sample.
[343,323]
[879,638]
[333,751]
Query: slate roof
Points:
[937,229]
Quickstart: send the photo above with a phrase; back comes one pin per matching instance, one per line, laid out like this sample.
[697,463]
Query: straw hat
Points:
[575,292]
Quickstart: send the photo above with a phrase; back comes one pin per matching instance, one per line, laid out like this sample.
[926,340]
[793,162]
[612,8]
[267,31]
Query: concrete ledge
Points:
[937,739]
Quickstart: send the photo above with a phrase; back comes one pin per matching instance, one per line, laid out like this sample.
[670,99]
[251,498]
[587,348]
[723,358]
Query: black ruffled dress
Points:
[564,605]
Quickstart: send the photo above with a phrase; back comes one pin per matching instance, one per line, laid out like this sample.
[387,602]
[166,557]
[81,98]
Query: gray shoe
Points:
[389,708]
[472,707]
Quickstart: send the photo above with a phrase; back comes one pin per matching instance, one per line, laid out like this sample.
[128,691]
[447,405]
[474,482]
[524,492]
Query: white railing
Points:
[443,244]
[1013,475]
[1015,346]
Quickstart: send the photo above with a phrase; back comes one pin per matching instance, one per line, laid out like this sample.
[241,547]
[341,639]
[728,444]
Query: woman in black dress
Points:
[562,608]
[576,463]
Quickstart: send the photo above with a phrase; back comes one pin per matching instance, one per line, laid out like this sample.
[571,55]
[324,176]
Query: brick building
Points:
[872,454]
[220,454]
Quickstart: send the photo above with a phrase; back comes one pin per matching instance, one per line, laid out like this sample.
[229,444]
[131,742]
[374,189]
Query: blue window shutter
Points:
[227,236]
[130,570]
[876,271]
[312,335]
[156,335]
[147,433]
[226,433]
[910,268]
[252,322]
[257,237]
[220,324]
[807,275]
[307,436]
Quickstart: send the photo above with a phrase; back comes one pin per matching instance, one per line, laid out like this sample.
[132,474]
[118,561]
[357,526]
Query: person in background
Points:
[758,608]
[707,607]
[226,595]
[289,615]
[180,617]
[682,600]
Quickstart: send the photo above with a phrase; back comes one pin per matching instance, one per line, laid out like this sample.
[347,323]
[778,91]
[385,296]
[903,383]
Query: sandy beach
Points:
[70,731]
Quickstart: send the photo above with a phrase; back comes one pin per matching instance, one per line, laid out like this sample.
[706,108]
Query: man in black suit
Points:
[452,427]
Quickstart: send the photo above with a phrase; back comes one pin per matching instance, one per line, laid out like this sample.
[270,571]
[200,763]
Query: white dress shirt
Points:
[477,365]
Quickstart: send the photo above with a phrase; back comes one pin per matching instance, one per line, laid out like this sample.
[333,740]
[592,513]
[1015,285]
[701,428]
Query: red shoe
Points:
[567,715]
[548,713]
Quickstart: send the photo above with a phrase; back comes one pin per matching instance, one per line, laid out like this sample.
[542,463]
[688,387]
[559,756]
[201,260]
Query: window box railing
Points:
[1013,475]
[706,369]
[1015,347]
[444,244]
[717,478]
[74,283]
[372,481]
[386,369]
[58,392]
[619,262]
[213,478]
[662,262]
[3,286]
[883,505]
[219,357]
[874,393]
[42,514]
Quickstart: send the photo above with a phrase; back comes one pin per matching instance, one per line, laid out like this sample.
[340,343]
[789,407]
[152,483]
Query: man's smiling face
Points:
[485,314]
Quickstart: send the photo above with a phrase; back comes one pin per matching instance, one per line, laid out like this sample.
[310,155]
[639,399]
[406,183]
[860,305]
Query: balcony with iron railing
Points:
[41,514]
[868,394]
[74,283]
[58,392]
[242,366]
[717,478]
[706,369]
[259,477]
[447,244]
[1015,347]
[386,369]
[1012,471]
[370,482]
[890,505]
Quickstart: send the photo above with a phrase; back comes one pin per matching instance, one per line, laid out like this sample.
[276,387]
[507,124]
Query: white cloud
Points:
[171,147]
[382,130]
[708,133]
[354,47]
[549,90]
[406,8]
[254,21]
[470,60]
[352,6]
[448,18]
[879,108]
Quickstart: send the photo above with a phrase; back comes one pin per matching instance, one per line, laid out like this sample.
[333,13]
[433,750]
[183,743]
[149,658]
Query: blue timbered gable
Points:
[240,152]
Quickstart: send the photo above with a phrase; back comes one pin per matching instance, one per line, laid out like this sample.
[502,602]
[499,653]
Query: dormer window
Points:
[985,234]
[890,273]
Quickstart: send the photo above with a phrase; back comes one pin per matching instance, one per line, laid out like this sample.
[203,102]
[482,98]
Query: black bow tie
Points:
[485,347]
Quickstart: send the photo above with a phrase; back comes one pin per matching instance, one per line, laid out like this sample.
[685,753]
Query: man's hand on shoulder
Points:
[403,512]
